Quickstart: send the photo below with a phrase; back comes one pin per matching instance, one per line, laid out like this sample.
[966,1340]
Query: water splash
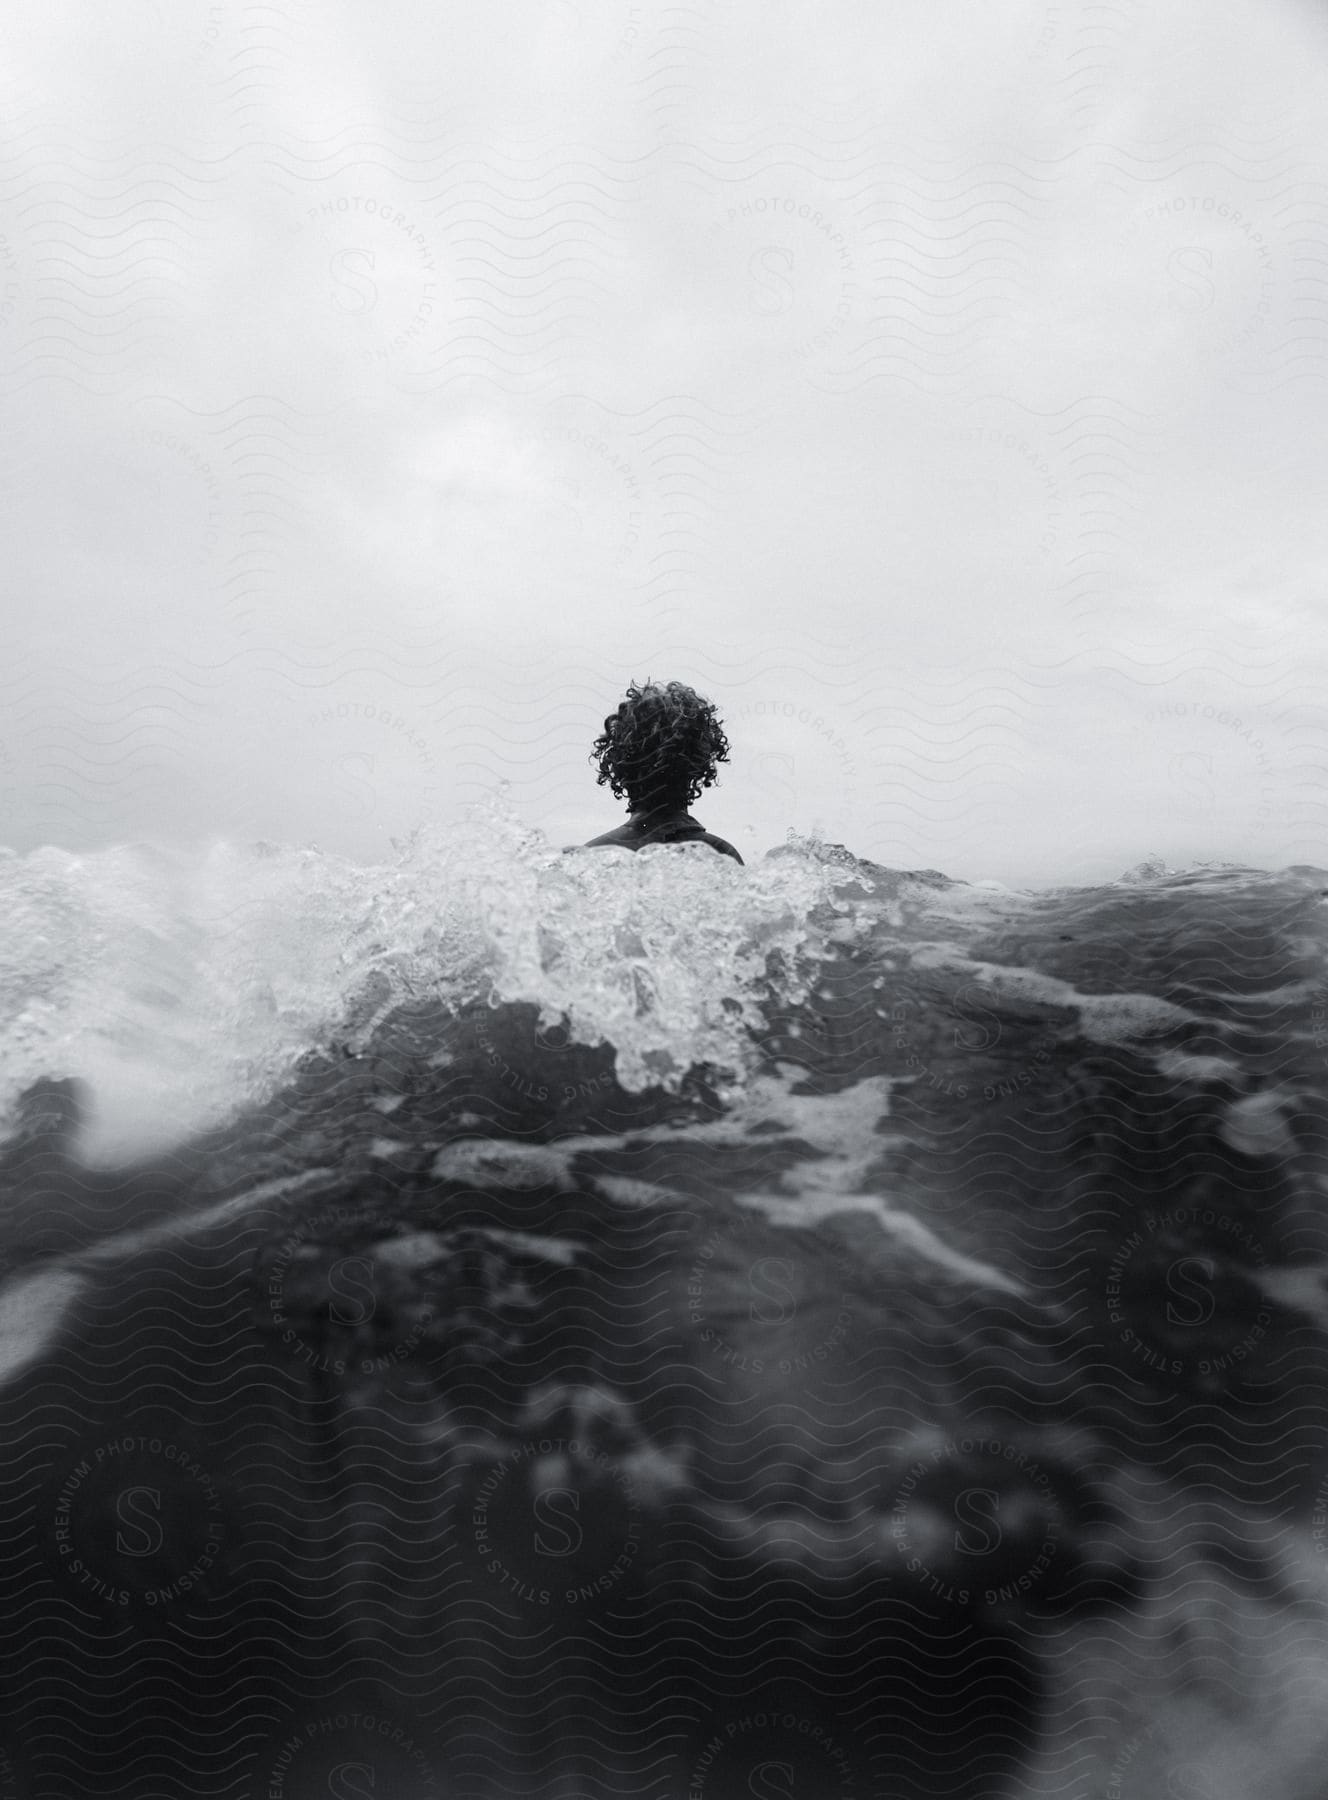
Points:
[181,985]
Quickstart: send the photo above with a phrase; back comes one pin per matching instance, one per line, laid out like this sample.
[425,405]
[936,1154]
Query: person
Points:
[661,747]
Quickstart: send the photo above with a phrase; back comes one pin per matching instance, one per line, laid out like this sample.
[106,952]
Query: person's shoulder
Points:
[722,845]
[622,838]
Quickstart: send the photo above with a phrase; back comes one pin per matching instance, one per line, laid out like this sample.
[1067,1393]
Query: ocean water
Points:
[513,1322]
[180,985]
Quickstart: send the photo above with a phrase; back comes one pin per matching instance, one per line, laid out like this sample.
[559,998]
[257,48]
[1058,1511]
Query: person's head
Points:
[661,747]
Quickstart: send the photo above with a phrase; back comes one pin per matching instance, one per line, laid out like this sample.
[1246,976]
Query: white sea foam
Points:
[804,1210]
[180,985]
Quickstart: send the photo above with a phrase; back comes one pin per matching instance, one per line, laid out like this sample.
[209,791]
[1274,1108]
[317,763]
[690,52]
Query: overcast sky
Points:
[938,387]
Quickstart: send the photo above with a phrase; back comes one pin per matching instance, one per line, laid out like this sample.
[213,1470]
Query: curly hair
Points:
[664,742]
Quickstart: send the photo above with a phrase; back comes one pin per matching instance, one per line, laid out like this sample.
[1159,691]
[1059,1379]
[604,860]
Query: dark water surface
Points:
[933,1404]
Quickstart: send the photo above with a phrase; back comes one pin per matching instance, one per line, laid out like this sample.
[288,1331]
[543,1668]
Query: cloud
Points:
[947,376]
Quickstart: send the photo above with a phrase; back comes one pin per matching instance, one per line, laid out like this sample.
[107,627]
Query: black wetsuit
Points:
[662,828]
